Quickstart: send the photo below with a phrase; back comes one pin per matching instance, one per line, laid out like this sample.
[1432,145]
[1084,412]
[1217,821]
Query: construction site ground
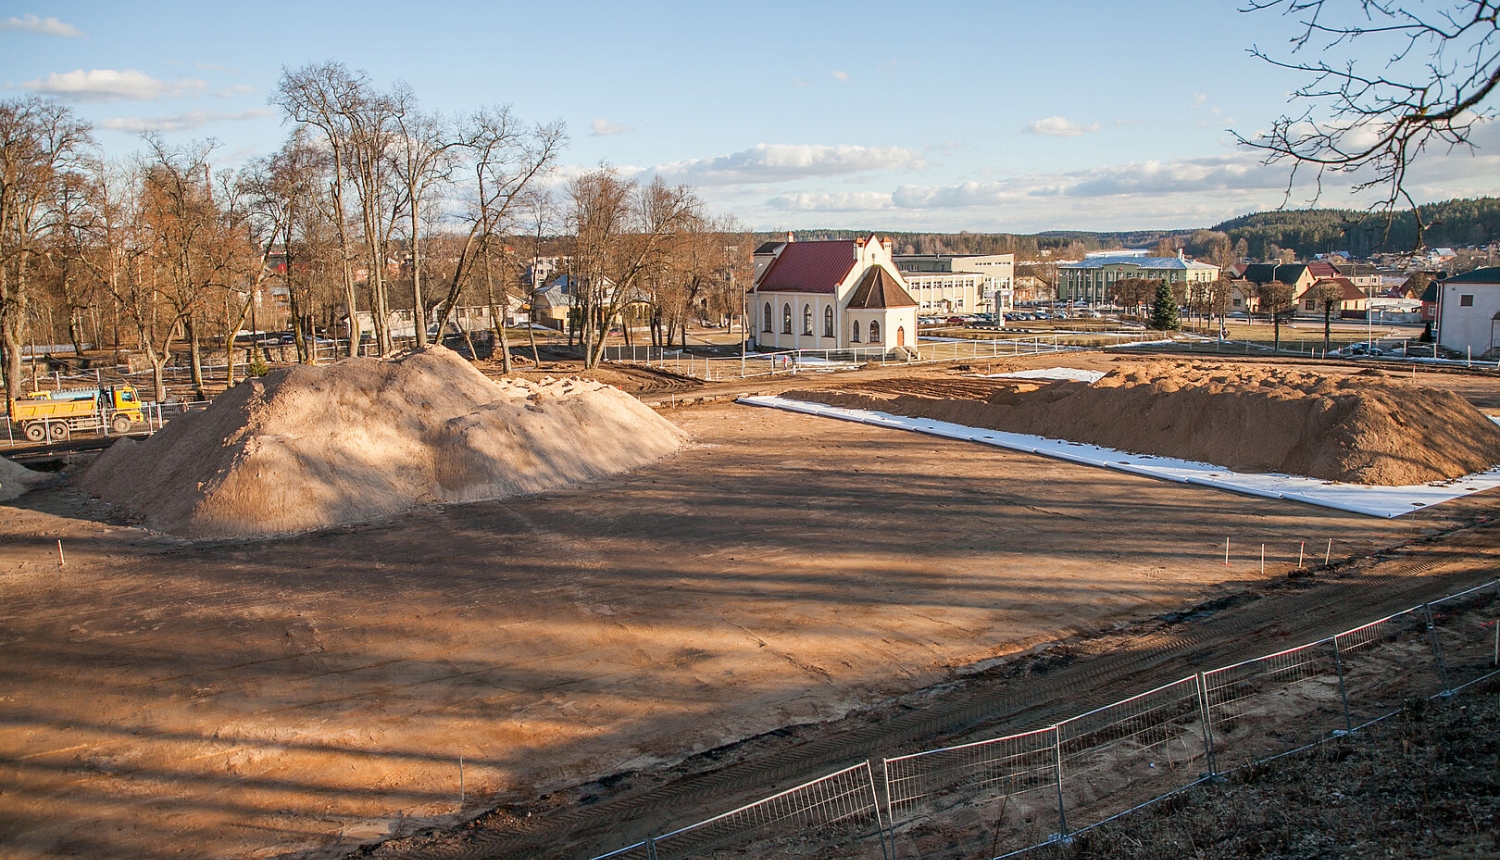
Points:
[787,596]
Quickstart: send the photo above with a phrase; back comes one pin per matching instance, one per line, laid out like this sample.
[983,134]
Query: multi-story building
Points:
[948,283]
[1092,279]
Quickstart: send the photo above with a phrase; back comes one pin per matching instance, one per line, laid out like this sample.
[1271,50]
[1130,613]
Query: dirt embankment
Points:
[310,447]
[16,479]
[1364,428]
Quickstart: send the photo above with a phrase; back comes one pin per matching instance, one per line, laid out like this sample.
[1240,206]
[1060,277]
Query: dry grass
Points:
[1424,783]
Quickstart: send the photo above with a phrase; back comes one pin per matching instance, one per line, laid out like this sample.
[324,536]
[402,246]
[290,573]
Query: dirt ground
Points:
[306,695]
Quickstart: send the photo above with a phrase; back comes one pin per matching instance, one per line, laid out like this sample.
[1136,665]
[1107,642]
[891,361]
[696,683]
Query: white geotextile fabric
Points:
[1375,501]
[1066,374]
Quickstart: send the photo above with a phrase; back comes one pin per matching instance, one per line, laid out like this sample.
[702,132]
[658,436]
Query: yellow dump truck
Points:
[57,415]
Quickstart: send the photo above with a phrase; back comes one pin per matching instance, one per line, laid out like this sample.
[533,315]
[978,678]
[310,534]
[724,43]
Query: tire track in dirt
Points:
[1020,696]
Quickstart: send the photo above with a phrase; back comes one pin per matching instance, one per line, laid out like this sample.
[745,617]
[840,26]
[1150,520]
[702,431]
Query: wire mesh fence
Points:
[1011,795]
[1145,746]
[841,806]
[791,361]
[1007,788]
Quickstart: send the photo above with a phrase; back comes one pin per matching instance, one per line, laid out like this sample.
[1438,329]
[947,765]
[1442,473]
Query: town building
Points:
[964,283]
[1468,312]
[1093,278]
[838,294]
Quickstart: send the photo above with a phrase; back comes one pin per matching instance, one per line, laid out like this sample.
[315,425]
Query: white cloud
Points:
[103,85]
[838,201]
[181,121]
[1056,126]
[46,26]
[605,128]
[235,90]
[1236,172]
[776,162]
[840,76]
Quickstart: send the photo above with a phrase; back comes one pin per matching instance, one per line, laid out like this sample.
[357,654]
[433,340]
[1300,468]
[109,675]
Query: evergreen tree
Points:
[1164,311]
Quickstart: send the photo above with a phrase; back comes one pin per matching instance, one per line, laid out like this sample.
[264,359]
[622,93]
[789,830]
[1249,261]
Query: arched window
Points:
[828,321]
[766,326]
[874,332]
[786,319]
[855,336]
[900,335]
[807,319]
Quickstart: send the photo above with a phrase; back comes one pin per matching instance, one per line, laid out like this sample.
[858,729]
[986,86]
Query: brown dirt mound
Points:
[310,447]
[1364,428]
[16,479]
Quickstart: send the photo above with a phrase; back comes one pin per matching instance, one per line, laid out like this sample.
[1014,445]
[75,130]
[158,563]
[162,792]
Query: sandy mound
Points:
[1365,428]
[16,479]
[309,447]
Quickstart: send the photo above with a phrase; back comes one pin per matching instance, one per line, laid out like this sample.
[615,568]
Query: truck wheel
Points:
[58,431]
[36,431]
[120,424]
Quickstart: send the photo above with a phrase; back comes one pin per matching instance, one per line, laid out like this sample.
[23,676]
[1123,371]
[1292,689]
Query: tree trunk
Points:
[418,310]
[195,355]
[497,318]
[1327,326]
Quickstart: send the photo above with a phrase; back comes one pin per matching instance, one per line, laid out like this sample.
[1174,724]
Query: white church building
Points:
[837,294]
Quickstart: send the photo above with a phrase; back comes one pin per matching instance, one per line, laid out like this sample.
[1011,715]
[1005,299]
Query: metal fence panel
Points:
[1466,627]
[838,808]
[979,799]
[1387,662]
[1273,704]
[1124,754]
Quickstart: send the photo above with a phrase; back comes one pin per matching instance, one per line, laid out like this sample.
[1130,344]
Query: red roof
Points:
[877,289]
[1321,269]
[1351,293]
[810,267]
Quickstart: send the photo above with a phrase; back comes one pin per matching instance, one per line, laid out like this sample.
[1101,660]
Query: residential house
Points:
[1295,274]
[1352,300]
[1468,312]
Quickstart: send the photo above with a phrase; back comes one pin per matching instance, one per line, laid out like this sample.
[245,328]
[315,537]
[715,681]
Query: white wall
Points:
[1462,328]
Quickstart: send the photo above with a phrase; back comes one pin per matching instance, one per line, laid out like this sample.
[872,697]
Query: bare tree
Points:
[1328,295]
[38,140]
[621,229]
[505,158]
[422,158]
[182,251]
[1275,299]
[1435,65]
[324,96]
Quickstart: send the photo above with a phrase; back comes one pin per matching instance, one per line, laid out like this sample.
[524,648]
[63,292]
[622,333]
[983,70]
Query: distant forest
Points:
[1304,232]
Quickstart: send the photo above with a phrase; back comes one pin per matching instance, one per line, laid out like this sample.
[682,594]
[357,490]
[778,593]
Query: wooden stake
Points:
[460,782]
[61,562]
[1262,559]
[1226,552]
[1301,548]
[1328,553]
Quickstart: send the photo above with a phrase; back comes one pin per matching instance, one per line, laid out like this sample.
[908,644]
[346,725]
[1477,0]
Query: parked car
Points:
[1360,350]
[1421,350]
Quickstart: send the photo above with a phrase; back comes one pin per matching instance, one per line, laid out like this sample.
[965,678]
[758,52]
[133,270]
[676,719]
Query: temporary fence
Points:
[1012,795]
[841,804]
[713,368]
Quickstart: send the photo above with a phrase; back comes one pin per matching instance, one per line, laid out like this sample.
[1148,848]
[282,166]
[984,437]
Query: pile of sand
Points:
[309,447]
[16,479]
[1366,428]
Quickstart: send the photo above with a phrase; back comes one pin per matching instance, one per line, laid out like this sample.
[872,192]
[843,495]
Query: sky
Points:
[987,115]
